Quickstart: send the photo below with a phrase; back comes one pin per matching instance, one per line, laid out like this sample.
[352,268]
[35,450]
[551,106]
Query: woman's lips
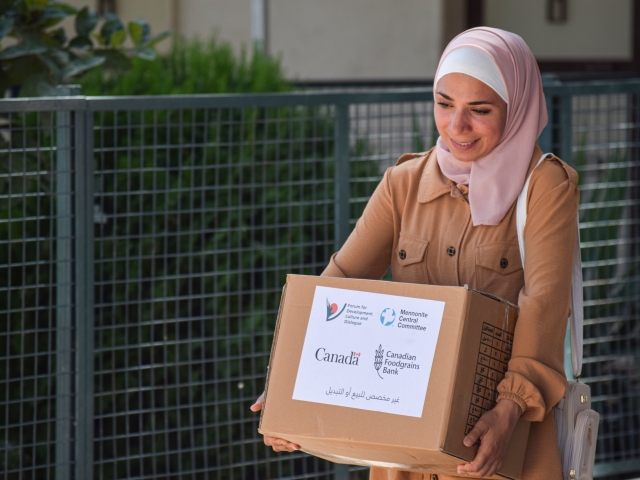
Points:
[465,145]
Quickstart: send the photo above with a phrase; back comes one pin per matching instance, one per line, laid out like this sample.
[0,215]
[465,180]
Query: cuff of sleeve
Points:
[518,388]
[515,398]
[333,270]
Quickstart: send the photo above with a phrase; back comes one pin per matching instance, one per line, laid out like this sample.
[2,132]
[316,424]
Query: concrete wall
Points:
[334,39]
[595,30]
[230,20]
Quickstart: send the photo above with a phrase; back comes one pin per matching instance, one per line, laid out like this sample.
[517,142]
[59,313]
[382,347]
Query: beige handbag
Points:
[576,423]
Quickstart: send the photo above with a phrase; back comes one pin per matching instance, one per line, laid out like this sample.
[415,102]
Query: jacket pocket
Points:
[410,260]
[499,269]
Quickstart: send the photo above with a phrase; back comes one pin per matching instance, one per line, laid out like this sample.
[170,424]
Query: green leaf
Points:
[17,70]
[66,8]
[59,36]
[86,21]
[6,25]
[36,4]
[140,31]
[115,60]
[80,65]
[21,50]
[117,38]
[145,53]
[158,38]
[81,43]
[99,38]
[49,60]
[111,26]
[50,16]
[61,56]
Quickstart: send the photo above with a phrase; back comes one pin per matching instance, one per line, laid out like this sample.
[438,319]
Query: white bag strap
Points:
[577,314]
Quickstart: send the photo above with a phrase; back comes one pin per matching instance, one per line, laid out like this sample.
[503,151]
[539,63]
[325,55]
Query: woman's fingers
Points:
[478,463]
[257,406]
[280,445]
[493,430]
[475,434]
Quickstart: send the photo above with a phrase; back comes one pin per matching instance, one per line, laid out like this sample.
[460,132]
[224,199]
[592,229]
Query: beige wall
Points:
[337,39]
[595,30]
[229,19]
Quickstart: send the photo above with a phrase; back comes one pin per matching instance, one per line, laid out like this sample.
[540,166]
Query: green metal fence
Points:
[145,242]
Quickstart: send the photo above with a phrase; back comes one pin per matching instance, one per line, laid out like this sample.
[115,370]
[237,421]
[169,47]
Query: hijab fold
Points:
[496,179]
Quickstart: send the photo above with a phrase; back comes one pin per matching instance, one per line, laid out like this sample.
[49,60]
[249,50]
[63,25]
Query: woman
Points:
[448,217]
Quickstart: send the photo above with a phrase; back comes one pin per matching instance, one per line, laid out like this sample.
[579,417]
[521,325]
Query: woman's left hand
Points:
[493,429]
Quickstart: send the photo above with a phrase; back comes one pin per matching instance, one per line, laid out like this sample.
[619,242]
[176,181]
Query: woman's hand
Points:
[494,431]
[278,444]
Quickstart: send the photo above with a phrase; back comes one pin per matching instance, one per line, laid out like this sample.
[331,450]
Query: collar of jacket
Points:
[434,184]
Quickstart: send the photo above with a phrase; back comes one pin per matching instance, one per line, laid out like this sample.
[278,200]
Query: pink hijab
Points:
[496,179]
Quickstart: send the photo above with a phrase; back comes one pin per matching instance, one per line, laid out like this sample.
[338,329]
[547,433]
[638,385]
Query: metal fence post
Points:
[342,174]
[84,274]
[64,290]
[566,128]
[545,139]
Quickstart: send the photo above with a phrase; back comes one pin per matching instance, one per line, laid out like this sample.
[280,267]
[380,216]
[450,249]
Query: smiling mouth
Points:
[465,144]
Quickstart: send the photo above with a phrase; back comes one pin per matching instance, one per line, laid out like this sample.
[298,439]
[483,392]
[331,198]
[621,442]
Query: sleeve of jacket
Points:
[535,378]
[367,251]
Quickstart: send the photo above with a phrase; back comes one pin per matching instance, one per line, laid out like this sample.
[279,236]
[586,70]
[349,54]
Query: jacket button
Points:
[503,263]
[402,254]
[451,251]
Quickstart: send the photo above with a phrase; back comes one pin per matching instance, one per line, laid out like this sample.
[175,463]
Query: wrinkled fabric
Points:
[496,179]
[417,209]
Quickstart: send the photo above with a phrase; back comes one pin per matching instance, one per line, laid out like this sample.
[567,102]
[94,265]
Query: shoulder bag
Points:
[576,423]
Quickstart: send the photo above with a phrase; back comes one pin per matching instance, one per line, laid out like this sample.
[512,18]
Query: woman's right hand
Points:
[278,444]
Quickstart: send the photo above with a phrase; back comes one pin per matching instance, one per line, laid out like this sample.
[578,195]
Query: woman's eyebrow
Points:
[479,102]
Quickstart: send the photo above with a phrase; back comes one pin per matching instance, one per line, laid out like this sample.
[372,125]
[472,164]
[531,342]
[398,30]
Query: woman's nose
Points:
[458,122]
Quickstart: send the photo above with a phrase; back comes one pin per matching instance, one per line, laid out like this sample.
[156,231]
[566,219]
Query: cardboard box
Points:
[388,374]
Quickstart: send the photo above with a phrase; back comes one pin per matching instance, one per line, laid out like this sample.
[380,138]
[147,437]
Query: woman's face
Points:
[470,116]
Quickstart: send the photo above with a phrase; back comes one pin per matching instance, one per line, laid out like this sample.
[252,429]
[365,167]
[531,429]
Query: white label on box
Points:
[369,351]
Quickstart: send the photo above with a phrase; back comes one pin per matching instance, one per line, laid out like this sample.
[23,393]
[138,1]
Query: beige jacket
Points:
[418,223]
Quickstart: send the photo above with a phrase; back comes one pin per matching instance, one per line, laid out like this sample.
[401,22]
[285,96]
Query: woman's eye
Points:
[481,112]
[444,104]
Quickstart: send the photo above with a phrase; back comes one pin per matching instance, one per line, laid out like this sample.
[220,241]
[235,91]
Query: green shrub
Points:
[192,67]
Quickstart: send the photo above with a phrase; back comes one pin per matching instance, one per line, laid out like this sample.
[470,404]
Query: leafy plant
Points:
[43,56]
[192,66]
